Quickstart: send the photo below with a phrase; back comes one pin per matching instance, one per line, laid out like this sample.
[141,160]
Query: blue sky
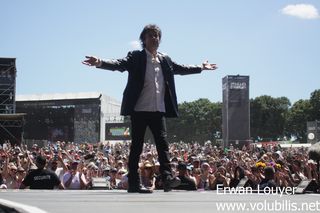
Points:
[275,42]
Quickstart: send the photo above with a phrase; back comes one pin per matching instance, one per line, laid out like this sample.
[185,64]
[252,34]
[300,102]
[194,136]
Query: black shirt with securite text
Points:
[41,179]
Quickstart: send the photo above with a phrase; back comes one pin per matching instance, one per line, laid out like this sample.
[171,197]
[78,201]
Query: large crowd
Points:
[199,167]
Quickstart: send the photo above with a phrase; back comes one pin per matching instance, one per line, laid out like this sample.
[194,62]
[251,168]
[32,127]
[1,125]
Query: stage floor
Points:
[115,201]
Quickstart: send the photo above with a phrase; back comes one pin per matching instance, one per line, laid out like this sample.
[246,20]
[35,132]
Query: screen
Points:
[117,131]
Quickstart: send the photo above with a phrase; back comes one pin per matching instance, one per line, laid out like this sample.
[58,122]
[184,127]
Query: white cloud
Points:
[304,11]
[135,45]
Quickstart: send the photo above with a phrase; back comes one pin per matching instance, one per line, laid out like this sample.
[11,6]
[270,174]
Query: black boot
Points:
[170,183]
[139,189]
[135,186]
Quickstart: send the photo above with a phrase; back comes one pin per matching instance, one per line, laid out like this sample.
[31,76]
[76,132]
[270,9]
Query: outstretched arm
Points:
[121,65]
[188,69]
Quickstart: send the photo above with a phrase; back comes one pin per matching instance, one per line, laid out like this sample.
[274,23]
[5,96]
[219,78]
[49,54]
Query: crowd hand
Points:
[60,156]
[8,146]
[41,152]
[222,177]
[111,159]
[212,178]
[24,148]
[89,175]
[2,152]
[229,165]
[91,61]
[207,66]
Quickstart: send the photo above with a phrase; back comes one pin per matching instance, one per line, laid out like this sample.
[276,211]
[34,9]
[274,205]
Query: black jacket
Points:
[135,64]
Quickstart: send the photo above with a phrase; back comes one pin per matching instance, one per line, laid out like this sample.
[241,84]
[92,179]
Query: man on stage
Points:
[148,98]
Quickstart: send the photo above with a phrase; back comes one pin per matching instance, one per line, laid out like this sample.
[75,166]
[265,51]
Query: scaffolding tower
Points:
[7,85]
[11,124]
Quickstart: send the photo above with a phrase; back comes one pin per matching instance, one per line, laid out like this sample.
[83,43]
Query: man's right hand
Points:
[91,61]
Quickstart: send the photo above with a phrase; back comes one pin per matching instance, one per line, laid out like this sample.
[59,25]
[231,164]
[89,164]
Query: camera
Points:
[55,157]
[55,151]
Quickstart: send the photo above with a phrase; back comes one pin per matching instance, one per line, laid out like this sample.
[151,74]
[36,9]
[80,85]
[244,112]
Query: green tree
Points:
[297,119]
[315,105]
[268,116]
[198,121]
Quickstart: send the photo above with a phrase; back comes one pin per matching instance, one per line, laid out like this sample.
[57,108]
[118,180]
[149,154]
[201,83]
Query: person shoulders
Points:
[42,172]
[32,173]
[45,172]
[135,53]
[35,179]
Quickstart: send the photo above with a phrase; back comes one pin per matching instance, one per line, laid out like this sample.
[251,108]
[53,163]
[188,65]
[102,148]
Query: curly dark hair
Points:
[149,28]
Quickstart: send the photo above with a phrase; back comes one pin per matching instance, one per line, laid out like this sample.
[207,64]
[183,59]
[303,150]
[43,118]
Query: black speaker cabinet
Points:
[307,186]
[235,111]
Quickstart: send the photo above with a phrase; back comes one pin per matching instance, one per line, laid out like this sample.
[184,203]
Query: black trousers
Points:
[157,124]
